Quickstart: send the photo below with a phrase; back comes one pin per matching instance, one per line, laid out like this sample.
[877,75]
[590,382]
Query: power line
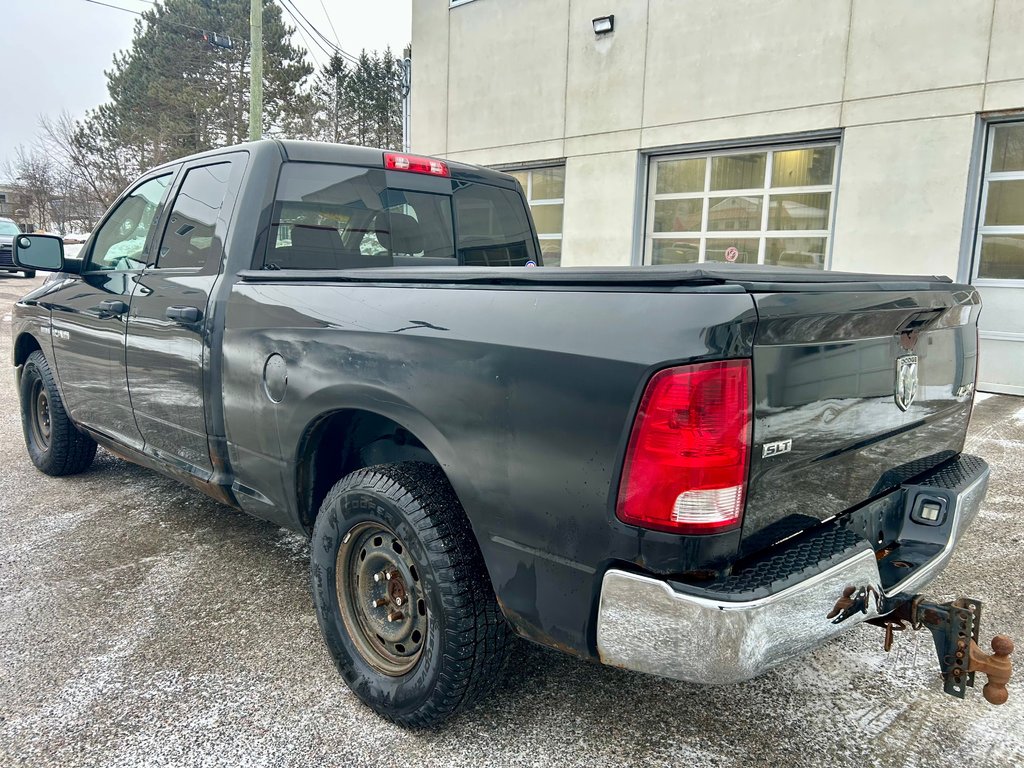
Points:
[322,42]
[162,20]
[309,47]
[115,7]
[331,23]
[305,39]
[303,24]
[322,37]
[302,30]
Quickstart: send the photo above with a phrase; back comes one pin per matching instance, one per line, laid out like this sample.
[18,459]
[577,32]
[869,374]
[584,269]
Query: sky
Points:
[63,68]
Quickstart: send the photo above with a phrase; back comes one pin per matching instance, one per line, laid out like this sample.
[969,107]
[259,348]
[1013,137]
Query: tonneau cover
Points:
[750,277]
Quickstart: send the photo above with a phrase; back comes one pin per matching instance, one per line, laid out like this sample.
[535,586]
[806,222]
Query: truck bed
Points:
[526,384]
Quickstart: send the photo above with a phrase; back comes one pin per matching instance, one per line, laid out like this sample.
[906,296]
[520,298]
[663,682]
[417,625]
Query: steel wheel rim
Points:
[42,426]
[381,599]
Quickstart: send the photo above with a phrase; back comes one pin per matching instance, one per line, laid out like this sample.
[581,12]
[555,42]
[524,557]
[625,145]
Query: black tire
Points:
[29,273]
[465,640]
[54,444]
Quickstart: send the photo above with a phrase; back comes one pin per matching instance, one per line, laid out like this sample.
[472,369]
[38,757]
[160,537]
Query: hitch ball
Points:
[954,627]
[996,666]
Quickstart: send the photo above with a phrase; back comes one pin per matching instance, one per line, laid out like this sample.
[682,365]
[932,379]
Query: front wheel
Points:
[402,597]
[54,444]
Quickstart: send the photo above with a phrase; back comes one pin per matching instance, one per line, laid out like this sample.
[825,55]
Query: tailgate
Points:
[855,392]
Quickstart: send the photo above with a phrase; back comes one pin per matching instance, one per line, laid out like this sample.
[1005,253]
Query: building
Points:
[14,205]
[877,135]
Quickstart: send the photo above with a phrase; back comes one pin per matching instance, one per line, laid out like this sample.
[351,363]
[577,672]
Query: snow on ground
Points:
[144,625]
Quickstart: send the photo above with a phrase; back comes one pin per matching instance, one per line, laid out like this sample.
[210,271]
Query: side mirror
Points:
[44,252]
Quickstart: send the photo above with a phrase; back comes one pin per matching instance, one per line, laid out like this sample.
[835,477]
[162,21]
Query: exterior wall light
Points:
[604,24]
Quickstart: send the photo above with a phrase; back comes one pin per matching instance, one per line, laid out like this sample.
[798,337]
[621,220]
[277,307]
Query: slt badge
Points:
[906,381]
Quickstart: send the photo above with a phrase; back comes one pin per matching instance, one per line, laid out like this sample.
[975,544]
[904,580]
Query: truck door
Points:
[168,349]
[88,314]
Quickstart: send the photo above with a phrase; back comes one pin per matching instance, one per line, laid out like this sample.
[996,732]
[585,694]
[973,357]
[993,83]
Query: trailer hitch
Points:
[955,629]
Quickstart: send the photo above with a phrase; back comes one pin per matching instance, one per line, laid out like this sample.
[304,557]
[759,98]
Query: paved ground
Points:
[141,624]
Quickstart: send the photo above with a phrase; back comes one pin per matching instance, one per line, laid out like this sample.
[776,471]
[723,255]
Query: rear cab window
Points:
[329,216]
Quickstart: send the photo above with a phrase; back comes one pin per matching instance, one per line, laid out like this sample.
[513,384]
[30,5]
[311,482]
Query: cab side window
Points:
[190,239]
[121,241]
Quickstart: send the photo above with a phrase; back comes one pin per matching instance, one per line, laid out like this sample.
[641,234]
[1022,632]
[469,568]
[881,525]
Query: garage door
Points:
[998,260]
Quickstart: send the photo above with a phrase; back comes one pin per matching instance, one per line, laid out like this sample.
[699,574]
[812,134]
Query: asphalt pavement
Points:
[143,624]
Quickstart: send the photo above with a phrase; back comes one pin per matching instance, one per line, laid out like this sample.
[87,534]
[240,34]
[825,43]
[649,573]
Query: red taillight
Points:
[686,464]
[415,164]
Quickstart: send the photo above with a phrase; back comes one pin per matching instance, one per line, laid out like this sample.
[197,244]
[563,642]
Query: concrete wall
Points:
[497,82]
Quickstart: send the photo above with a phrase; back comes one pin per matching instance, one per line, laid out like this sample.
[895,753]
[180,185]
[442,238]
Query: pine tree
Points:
[388,104]
[332,117]
[173,93]
[362,104]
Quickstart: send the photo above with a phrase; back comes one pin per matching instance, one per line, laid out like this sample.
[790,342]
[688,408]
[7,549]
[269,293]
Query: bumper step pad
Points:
[814,551]
[793,562]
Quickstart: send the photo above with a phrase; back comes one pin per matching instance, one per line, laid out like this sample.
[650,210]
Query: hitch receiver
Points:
[955,628]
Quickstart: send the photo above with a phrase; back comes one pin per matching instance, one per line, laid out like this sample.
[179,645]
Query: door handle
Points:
[183,314]
[112,307]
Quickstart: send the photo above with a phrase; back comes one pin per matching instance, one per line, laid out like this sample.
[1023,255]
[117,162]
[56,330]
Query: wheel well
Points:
[344,441]
[23,347]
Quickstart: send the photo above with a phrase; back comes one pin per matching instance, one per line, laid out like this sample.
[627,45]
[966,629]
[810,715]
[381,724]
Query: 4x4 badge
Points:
[906,381]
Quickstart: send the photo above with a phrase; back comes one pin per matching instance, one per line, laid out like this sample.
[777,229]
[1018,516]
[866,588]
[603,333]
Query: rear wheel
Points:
[381,598]
[54,444]
[402,597]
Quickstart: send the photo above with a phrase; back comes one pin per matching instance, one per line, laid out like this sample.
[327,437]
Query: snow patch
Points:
[292,542]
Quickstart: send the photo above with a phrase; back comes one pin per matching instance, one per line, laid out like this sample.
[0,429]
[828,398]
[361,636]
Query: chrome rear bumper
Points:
[648,625]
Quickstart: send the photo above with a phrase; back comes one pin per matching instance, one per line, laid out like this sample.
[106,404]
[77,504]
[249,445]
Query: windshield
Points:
[9,228]
[343,217]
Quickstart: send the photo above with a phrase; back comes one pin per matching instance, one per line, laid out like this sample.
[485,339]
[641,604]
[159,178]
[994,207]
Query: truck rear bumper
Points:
[694,634]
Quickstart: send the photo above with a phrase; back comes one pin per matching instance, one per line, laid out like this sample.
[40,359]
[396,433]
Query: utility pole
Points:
[256,70]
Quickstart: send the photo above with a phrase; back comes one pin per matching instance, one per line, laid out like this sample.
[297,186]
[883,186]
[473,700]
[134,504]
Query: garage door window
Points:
[765,206]
[545,191]
[999,253]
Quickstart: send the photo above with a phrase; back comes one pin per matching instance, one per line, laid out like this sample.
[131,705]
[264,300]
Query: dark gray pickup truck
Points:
[695,471]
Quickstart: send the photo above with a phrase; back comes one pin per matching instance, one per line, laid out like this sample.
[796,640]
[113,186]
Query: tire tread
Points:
[71,451]
[478,639]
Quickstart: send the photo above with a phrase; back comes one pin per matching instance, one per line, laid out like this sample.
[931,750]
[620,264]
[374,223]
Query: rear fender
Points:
[383,403]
